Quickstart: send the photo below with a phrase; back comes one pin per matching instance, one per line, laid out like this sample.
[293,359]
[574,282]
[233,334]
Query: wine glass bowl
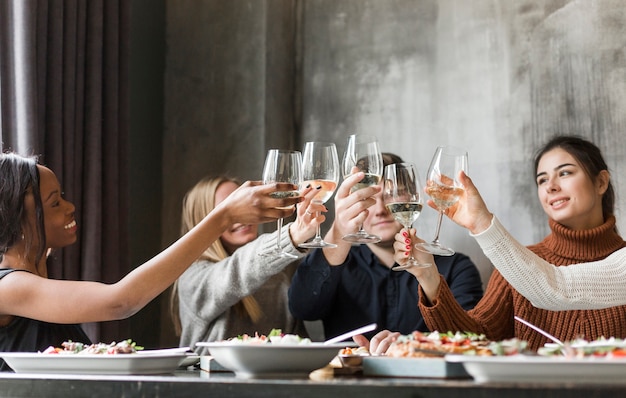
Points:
[402,195]
[363,155]
[320,168]
[443,196]
[282,166]
[444,188]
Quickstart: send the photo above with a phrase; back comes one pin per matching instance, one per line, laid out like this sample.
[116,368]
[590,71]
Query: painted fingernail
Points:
[406,254]
[405,234]
[407,241]
[308,185]
[408,247]
[318,187]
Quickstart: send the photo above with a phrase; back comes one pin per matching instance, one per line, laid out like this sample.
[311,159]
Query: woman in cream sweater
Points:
[574,188]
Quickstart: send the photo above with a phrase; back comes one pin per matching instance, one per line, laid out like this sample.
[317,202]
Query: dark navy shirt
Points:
[362,291]
[30,335]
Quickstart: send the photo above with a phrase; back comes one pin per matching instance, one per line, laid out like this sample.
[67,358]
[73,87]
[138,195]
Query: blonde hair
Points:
[197,203]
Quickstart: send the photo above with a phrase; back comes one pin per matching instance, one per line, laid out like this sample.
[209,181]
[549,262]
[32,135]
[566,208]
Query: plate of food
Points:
[536,368]
[577,361]
[422,355]
[353,356]
[103,359]
[271,356]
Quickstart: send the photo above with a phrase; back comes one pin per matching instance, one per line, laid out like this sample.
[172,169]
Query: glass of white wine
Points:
[282,166]
[402,195]
[320,168]
[363,154]
[444,188]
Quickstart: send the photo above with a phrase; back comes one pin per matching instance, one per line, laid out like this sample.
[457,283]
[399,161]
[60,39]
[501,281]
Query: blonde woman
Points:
[231,290]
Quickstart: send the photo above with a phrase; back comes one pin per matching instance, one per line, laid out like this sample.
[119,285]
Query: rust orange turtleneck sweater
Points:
[493,315]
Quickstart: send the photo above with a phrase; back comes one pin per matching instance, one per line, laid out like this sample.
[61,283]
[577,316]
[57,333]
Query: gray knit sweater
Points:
[208,291]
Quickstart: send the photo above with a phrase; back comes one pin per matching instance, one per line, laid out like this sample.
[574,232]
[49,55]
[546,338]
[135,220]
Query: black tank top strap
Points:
[6,271]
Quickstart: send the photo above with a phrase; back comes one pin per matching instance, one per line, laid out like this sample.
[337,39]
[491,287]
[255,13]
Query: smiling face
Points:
[238,234]
[567,194]
[60,225]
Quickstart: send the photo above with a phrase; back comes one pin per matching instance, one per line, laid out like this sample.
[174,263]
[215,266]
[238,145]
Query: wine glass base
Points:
[410,265]
[317,244]
[434,248]
[361,238]
[277,253]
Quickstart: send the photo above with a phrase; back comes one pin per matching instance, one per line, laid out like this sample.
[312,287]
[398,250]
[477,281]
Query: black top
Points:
[29,335]
[362,291]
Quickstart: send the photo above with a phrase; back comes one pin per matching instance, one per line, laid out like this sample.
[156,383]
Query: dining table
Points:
[195,382]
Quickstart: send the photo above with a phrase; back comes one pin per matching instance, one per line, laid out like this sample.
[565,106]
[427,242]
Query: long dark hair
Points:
[19,176]
[591,160]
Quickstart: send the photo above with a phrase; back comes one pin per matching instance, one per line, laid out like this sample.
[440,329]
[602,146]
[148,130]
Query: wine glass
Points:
[282,166]
[363,154]
[320,167]
[402,194]
[444,188]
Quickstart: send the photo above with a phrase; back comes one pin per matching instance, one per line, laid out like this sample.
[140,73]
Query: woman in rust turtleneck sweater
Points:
[575,191]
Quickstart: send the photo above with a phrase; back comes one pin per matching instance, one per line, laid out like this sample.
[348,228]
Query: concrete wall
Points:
[495,76]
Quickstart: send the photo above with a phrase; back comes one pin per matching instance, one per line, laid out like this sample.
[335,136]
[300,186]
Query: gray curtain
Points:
[64,97]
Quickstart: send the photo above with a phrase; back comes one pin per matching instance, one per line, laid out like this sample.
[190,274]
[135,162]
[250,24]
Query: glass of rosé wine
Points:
[320,169]
[444,189]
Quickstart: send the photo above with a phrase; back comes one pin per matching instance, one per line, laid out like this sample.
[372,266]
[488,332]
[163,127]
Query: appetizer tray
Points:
[412,367]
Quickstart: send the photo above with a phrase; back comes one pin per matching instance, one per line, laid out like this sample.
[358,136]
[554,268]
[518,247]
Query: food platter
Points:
[146,362]
[529,368]
[272,360]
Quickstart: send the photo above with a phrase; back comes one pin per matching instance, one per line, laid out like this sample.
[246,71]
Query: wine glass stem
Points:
[279,226]
[318,234]
[439,220]
[411,260]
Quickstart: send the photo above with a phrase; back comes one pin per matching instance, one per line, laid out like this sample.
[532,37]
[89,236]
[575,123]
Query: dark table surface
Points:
[199,383]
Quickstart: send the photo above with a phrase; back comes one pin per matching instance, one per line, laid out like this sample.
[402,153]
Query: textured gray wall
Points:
[495,76]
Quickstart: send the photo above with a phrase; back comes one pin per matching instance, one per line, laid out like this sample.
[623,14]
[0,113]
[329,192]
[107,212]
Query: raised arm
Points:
[59,301]
[593,285]
[581,286]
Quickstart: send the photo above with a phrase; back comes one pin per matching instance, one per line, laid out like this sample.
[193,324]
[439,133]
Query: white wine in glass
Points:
[320,168]
[282,166]
[402,194]
[363,155]
[444,188]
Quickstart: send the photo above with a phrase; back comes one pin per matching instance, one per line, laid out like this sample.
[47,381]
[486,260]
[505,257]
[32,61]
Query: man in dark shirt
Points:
[353,285]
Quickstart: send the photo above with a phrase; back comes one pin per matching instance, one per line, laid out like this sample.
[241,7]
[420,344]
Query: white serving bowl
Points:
[272,360]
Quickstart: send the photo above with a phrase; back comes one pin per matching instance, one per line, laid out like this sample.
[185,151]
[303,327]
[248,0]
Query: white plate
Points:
[272,360]
[144,363]
[526,368]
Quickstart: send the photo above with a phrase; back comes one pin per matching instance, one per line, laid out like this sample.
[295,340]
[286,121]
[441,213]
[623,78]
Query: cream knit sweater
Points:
[583,286]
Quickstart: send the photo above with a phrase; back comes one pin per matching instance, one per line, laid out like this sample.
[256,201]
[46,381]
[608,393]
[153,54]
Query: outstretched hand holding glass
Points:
[282,166]
[402,194]
[444,188]
[320,168]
